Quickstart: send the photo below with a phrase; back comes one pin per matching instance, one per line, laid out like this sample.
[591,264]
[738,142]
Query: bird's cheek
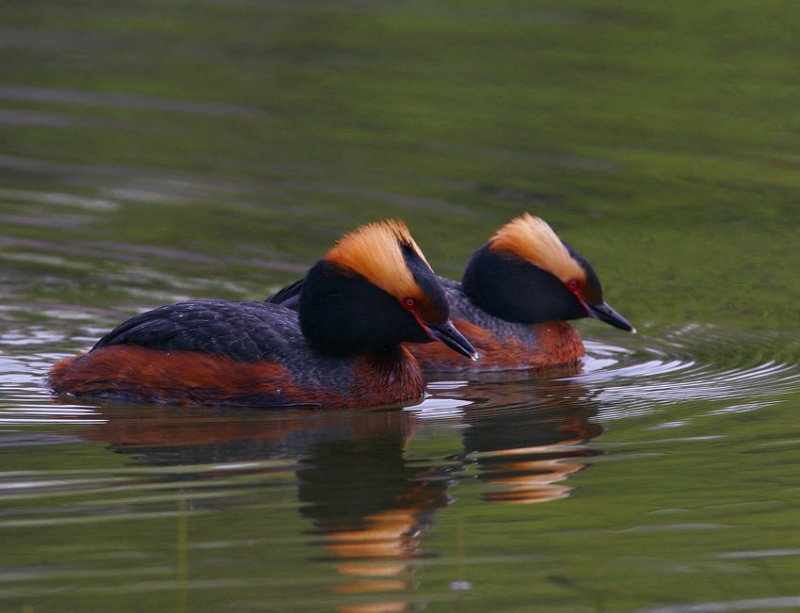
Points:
[583,302]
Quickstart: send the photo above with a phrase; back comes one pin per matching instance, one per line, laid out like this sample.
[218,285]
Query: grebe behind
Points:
[372,291]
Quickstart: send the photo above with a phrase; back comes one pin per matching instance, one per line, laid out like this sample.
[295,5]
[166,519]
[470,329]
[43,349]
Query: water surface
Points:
[157,151]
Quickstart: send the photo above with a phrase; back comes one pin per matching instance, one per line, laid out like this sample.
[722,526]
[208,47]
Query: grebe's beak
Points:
[450,336]
[605,313]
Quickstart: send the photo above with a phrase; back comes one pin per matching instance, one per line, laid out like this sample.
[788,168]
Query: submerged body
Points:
[239,353]
[341,349]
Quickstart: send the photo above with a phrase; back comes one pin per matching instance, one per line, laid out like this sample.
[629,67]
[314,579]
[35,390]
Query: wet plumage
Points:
[371,292]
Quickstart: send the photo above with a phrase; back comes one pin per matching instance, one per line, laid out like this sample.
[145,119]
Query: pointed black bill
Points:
[605,313]
[450,336]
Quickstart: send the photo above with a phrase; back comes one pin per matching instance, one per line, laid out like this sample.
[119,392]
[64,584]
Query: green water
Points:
[157,151]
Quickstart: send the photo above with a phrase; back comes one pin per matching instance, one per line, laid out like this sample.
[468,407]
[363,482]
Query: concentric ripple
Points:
[694,363]
[363,486]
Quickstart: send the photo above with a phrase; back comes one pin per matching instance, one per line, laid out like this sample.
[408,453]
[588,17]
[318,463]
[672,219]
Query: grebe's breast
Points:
[502,345]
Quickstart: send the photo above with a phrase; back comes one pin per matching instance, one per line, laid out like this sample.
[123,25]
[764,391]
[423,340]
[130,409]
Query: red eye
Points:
[409,303]
[573,285]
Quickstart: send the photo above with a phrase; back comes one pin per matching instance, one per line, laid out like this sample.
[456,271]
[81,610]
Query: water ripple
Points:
[125,101]
[694,363]
[753,604]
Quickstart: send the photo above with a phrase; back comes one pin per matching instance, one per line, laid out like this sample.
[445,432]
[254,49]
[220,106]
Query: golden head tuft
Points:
[374,251]
[532,239]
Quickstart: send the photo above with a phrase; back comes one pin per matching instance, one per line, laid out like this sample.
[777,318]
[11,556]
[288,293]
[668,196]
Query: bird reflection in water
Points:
[372,507]
[367,501]
[531,436]
[550,449]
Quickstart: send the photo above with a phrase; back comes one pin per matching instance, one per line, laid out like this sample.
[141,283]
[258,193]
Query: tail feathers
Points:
[288,296]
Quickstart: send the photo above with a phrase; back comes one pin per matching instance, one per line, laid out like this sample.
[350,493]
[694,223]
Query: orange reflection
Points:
[372,507]
[534,441]
[356,486]
[387,535]
[533,480]
[369,504]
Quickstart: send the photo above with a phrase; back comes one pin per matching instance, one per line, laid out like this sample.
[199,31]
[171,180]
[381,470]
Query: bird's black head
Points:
[525,273]
[372,291]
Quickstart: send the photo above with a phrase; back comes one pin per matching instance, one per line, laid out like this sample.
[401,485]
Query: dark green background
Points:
[154,151]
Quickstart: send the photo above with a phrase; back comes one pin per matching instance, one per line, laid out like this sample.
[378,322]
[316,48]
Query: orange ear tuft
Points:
[375,252]
[532,239]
